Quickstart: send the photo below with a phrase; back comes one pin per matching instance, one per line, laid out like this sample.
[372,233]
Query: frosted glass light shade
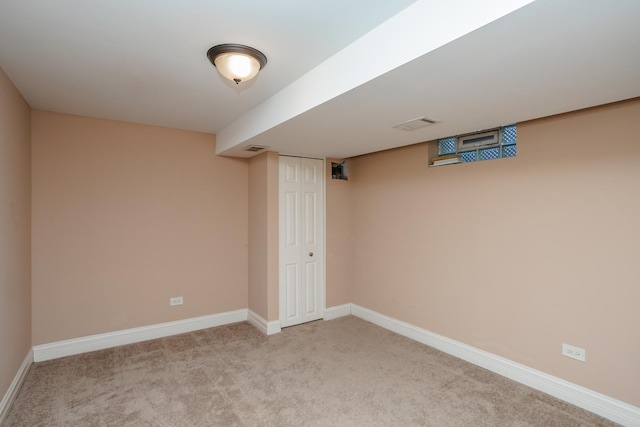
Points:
[237,67]
[237,62]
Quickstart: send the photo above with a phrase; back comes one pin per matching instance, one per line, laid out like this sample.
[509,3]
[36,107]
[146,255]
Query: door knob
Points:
[310,253]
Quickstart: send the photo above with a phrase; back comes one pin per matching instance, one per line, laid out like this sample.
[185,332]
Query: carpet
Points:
[344,372]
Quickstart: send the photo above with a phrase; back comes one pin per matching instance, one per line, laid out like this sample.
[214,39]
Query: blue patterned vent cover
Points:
[489,153]
[509,151]
[509,135]
[469,156]
[447,145]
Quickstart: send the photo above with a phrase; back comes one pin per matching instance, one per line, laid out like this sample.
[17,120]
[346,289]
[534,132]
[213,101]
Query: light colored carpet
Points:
[345,372]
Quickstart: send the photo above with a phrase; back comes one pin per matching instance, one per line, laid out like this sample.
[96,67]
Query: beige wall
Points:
[339,240]
[263,235]
[126,216]
[15,232]
[263,238]
[515,256]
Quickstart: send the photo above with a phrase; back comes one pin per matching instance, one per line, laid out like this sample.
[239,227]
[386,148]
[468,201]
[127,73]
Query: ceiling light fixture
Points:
[237,62]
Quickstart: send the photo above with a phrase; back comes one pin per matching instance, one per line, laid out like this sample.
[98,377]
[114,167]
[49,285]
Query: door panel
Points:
[311,303]
[292,278]
[309,221]
[291,212]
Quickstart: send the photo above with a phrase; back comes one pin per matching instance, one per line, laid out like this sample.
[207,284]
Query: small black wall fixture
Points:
[340,170]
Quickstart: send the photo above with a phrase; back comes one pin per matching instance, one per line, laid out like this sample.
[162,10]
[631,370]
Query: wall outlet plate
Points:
[574,352]
[175,301]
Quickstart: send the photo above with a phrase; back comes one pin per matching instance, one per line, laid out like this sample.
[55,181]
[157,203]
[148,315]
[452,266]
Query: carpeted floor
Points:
[345,372]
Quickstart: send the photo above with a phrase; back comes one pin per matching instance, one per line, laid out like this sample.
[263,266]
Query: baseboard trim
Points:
[129,336]
[337,311]
[267,328]
[14,387]
[608,407]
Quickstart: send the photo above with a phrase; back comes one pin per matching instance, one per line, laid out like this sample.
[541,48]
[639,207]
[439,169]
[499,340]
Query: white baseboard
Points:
[608,407]
[267,328]
[337,311]
[129,336]
[14,387]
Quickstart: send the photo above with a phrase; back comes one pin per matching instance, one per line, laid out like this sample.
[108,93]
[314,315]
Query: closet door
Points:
[301,218]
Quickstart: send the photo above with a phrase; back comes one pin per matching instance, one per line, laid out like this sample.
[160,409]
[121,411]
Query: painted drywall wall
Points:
[263,235]
[15,232]
[339,240]
[515,256]
[273,237]
[126,216]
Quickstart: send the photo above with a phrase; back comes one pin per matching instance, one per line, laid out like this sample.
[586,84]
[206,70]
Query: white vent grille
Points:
[418,123]
[255,148]
[479,139]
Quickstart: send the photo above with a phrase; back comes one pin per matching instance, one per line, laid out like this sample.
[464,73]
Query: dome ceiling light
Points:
[237,62]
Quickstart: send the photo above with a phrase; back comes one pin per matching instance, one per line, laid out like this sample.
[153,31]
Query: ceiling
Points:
[340,74]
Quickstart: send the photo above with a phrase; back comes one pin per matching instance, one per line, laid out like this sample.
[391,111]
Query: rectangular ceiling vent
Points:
[418,123]
[255,148]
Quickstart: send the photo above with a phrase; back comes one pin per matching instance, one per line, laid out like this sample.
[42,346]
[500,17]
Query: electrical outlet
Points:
[574,352]
[175,301]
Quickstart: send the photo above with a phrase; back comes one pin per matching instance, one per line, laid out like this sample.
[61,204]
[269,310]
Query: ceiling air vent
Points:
[418,123]
[255,148]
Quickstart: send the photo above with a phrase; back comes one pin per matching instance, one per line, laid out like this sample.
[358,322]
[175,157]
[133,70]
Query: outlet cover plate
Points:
[175,301]
[574,352]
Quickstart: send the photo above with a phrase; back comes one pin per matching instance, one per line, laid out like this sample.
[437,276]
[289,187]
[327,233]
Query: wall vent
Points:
[479,139]
[418,123]
[255,148]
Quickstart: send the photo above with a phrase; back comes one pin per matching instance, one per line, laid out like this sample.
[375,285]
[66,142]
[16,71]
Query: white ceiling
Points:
[340,73]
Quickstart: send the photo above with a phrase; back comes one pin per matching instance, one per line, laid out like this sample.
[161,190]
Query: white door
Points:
[301,217]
